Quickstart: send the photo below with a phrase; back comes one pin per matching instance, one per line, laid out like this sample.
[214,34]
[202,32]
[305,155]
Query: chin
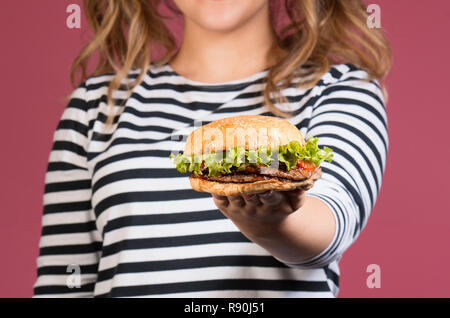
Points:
[221,22]
[220,15]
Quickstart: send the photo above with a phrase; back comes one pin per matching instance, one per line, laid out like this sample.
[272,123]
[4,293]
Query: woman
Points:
[119,217]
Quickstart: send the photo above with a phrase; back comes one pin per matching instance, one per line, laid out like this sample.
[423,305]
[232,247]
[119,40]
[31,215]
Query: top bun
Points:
[249,131]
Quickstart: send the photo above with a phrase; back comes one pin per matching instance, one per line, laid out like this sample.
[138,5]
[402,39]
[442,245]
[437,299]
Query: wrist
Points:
[265,230]
[282,239]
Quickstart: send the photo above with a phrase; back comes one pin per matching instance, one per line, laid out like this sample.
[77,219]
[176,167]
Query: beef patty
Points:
[259,172]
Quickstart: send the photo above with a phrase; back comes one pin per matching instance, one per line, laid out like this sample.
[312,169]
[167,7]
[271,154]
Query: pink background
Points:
[408,233]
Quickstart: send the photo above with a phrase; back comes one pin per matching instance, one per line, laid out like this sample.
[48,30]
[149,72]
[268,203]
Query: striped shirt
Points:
[120,221]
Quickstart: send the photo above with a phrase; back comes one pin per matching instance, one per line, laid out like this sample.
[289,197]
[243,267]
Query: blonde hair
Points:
[319,33]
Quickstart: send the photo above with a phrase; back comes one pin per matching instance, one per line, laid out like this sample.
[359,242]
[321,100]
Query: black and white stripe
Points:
[115,205]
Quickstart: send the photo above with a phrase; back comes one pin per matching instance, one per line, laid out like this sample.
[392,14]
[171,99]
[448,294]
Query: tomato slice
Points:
[306,165]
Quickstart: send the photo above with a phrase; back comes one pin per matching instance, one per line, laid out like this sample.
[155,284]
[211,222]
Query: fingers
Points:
[269,206]
[220,200]
[236,200]
[252,199]
[271,198]
[296,198]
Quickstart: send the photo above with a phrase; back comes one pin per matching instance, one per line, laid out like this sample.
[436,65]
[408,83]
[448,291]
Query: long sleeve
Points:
[349,116]
[69,243]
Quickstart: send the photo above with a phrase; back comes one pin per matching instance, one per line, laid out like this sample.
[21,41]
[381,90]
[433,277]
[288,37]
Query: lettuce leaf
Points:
[311,152]
[218,163]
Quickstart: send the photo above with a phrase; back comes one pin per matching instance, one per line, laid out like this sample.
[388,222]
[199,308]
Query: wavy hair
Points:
[318,33]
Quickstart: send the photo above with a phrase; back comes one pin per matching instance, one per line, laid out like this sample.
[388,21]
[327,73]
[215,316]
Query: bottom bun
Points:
[224,188]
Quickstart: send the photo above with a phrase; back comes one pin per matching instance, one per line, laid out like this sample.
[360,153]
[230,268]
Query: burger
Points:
[250,154]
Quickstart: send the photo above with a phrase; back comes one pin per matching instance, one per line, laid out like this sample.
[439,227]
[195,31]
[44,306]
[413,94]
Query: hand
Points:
[254,214]
[290,225]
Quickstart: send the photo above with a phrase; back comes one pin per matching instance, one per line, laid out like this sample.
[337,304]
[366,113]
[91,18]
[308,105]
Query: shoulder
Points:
[96,87]
[340,86]
[351,82]
[89,99]
[348,95]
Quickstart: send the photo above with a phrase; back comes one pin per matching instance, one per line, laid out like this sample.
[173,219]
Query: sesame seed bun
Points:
[249,131]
